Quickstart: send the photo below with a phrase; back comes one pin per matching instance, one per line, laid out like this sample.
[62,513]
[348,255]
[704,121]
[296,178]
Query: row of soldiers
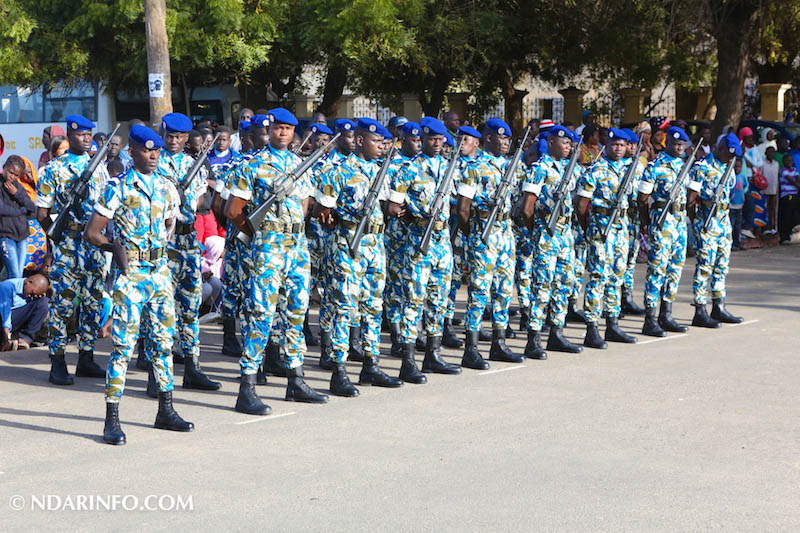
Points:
[369,229]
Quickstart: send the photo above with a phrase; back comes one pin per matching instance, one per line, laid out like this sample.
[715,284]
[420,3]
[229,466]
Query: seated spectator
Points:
[15,209]
[23,308]
[789,203]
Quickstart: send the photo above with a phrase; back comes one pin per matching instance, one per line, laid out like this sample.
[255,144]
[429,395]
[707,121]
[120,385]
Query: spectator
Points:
[590,148]
[533,124]
[569,125]
[58,145]
[15,208]
[100,138]
[114,149]
[772,174]
[737,203]
[48,135]
[244,115]
[644,130]
[587,119]
[767,140]
[703,138]
[782,150]
[789,203]
[23,308]
[657,142]
[222,152]
[29,179]
[124,154]
[451,121]
[753,161]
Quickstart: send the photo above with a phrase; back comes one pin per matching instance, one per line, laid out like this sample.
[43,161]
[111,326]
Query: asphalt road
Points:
[695,432]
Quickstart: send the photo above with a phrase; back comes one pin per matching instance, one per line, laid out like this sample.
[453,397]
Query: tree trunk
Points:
[432,104]
[335,80]
[513,101]
[155,15]
[733,23]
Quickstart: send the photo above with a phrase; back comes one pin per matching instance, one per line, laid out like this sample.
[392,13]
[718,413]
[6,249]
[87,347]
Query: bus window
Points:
[19,105]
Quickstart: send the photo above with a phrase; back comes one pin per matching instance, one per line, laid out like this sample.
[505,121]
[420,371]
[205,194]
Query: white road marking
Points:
[743,323]
[262,418]
[663,339]
[515,367]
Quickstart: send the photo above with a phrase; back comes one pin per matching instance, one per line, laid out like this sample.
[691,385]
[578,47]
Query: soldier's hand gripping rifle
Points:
[504,189]
[676,187]
[281,189]
[369,203]
[77,192]
[193,170]
[441,199]
[718,192]
[561,194]
[623,190]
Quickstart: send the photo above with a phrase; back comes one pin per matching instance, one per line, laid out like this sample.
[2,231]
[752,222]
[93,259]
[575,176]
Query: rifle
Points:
[369,203]
[77,192]
[676,187]
[281,189]
[503,190]
[718,193]
[561,192]
[442,194]
[193,170]
[623,190]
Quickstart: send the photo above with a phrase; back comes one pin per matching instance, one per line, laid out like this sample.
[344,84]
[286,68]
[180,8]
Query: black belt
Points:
[371,228]
[145,255]
[710,204]
[545,218]
[606,211]
[674,209]
[184,228]
[483,215]
[439,225]
[287,228]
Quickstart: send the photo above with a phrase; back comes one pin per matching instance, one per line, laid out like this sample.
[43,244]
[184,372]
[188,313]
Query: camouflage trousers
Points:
[634,227]
[605,264]
[459,268]
[552,276]
[579,263]
[491,270]
[276,261]
[357,287]
[234,287]
[316,250]
[426,282]
[145,291]
[77,274]
[393,239]
[665,258]
[524,266]
[713,255]
[325,276]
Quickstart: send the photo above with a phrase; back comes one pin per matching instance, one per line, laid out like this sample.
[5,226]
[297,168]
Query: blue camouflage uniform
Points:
[458,242]
[524,251]
[394,240]
[634,224]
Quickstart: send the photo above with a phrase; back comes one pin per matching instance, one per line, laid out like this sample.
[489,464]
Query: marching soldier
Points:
[357,283]
[77,271]
[606,257]
[715,240]
[629,306]
[491,266]
[553,262]
[668,243]
[279,258]
[425,277]
[141,207]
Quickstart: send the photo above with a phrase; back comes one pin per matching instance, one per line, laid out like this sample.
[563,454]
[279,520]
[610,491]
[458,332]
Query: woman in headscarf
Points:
[767,140]
[644,130]
[37,241]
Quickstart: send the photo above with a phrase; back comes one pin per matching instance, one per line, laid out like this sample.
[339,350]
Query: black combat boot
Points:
[194,378]
[500,351]
[248,401]
[472,357]
[230,344]
[558,343]
[433,362]
[87,368]
[177,357]
[356,351]
[510,333]
[615,334]
[152,383]
[534,350]
[573,313]
[371,374]
[141,359]
[325,349]
[483,334]
[167,418]
[419,344]
[112,432]
[629,307]
[311,339]
[718,312]
[701,318]
[397,341]
[524,318]
[276,366]
[651,326]
[409,372]
[297,390]
[340,382]
[667,322]
[384,323]
[593,338]
[59,375]
[261,373]
[449,337]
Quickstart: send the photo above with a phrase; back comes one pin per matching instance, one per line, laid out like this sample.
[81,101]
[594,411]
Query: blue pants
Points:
[15,255]
[28,319]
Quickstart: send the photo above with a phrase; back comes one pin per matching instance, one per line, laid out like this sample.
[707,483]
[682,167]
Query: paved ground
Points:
[692,433]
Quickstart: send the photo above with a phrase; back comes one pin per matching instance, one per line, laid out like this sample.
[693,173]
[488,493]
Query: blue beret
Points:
[79,123]
[245,125]
[677,134]
[144,136]
[617,135]
[632,137]
[345,124]
[383,131]
[371,125]
[448,139]
[283,116]
[320,129]
[559,131]
[411,128]
[259,121]
[498,126]
[575,137]
[176,123]
[733,144]
[397,121]
[432,126]
[469,130]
